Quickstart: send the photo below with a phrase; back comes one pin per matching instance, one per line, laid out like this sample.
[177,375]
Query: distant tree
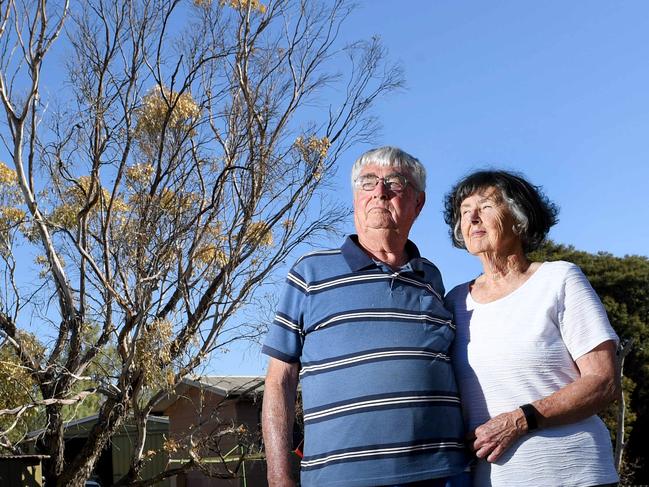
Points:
[158,174]
[18,392]
[21,402]
[622,284]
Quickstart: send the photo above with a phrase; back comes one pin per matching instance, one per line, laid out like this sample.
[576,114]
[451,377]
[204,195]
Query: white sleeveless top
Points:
[520,348]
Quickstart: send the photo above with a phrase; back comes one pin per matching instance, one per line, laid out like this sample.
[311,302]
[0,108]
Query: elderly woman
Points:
[534,353]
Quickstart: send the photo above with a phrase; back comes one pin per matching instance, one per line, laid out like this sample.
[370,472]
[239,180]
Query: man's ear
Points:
[421,199]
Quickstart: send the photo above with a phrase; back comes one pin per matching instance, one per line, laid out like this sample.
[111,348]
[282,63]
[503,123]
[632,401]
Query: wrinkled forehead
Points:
[383,169]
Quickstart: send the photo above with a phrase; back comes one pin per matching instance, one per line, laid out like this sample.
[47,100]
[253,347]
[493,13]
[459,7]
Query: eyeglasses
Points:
[392,182]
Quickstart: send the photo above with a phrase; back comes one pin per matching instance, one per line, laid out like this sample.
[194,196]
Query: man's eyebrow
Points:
[386,176]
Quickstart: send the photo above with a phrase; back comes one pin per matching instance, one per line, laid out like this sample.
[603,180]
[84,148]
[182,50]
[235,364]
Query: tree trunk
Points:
[621,406]
[54,445]
[111,416]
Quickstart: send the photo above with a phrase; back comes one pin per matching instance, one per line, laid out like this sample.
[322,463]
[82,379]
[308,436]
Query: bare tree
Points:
[160,174]
[623,350]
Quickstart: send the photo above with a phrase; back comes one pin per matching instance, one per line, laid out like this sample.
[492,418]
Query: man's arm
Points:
[278,414]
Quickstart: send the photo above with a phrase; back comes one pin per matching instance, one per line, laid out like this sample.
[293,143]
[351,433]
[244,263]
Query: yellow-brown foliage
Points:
[259,233]
[11,215]
[156,108]
[76,196]
[153,353]
[139,174]
[7,176]
[168,201]
[313,151]
[17,386]
[42,261]
[236,4]
[211,254]
[10,196]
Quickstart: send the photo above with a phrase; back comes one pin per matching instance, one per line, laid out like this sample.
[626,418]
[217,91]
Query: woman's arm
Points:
[597,386]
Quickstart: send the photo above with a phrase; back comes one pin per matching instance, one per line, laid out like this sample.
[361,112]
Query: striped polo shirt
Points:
[380,401]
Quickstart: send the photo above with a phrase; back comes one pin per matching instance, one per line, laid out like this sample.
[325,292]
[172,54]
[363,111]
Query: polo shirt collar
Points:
[357,259]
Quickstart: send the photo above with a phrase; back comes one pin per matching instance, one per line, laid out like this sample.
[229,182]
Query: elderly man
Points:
[365,330]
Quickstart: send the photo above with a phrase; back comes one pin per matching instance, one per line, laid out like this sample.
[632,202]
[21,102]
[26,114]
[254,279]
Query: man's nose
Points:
[381,190]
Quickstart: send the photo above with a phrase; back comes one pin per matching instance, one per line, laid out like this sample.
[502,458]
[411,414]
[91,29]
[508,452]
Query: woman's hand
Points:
[587,395]
[491,439]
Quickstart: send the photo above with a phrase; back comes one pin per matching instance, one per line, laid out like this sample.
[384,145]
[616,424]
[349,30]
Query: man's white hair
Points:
[394,157]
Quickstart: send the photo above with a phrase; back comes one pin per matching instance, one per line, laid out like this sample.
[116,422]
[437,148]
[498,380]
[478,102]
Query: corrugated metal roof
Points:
[81,426]
[233,386]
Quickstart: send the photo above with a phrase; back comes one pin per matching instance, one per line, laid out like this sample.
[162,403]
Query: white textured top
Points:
[520,348]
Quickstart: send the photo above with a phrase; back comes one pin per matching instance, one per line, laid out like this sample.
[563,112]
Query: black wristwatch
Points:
[530,413]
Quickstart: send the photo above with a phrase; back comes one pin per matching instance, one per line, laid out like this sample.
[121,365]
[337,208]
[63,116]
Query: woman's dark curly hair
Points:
[533,212]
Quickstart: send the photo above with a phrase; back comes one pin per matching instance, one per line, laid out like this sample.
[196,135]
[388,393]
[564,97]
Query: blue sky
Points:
[556,90]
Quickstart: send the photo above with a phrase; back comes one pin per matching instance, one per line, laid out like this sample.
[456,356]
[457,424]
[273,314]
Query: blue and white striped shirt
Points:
[381,405]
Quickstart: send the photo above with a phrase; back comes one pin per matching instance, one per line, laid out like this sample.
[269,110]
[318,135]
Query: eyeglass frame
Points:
[388,185]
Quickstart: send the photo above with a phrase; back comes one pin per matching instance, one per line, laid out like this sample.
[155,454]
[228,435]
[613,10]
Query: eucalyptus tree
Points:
[163,157]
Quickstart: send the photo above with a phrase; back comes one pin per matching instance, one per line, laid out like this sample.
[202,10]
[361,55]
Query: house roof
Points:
[227,386]
[91,420]
[81,426]
[232,385]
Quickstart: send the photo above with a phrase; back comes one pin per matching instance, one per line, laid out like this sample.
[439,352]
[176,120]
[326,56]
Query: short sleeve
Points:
[583,320]
[285,337]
